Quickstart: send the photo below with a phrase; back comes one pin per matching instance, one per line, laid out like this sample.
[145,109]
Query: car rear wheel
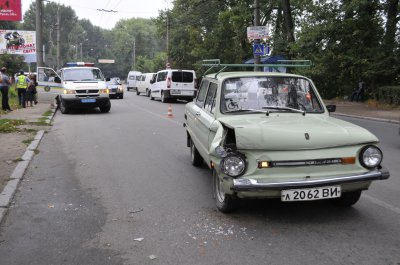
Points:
[225,203]
[195,156]
[348,198]
[163,99]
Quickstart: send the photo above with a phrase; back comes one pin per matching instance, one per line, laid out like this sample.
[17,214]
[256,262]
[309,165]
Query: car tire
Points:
[147,92]
[137,92]
[225,203]
[348,198]
[63,108]
[122,96]
[105,109]
[163,99]
[151,96]
[195,156]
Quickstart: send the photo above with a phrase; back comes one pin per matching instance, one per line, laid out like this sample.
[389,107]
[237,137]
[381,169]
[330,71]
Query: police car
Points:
[77,85]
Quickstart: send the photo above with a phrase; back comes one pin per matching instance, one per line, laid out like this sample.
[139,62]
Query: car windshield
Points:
[269,94]
[83,74]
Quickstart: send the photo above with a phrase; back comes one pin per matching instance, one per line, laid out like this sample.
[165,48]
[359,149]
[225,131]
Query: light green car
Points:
[269,135]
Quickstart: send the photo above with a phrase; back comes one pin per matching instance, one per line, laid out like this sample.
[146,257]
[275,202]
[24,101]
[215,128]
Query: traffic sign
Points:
[258,49]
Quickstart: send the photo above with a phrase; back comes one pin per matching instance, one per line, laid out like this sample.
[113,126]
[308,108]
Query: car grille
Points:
[87,91]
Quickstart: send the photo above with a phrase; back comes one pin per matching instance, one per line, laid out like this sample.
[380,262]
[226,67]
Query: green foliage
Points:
[13,63]
[389,95]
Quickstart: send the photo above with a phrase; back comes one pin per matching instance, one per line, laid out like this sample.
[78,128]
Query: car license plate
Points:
[175,91]
[311,194]
[88,100]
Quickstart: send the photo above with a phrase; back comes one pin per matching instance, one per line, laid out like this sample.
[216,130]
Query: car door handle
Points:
[198,113]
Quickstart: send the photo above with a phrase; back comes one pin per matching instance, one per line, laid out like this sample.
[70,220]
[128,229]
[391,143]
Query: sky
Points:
[87,9]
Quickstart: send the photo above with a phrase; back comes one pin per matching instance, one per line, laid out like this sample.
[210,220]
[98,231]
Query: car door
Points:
[194,112]
[49,84]
[157,86]
[206,119]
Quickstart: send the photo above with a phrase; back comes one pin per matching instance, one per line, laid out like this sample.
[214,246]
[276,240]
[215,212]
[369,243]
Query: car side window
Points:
[210,99]
[202,93]
[161,76]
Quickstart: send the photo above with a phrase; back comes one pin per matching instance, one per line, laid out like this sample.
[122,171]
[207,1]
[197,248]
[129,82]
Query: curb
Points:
[366,118]
[16,177]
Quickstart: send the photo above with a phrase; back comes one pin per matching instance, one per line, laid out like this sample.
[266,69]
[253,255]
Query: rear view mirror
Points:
[331,108]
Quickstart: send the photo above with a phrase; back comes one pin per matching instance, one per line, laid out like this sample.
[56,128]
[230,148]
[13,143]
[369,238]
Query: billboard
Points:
[17,42]
[10,10]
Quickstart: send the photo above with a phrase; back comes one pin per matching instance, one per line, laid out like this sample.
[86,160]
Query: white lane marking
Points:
[382,204]
[158,115]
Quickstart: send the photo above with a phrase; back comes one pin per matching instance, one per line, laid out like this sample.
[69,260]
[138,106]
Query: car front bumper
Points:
[248,184]
[78,102]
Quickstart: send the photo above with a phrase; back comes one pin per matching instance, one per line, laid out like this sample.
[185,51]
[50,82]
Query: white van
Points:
[132,79]
[143,86]
[78,85]
[174,84]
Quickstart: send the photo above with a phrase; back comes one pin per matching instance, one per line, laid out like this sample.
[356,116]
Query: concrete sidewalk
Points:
[19,147]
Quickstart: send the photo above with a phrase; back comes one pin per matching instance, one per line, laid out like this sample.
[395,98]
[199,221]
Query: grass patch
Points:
[8,125]
[47,113]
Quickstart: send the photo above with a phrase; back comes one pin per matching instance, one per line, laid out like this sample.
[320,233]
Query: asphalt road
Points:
[118,188]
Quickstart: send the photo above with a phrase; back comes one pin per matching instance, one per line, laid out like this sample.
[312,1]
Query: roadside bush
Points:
[389,95]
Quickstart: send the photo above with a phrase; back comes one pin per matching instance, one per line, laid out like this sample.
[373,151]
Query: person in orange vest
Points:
[22,85]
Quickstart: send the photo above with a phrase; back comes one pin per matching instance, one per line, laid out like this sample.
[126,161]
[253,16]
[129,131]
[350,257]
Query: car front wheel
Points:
[348,198]
[225,203]
[63,108]
[105,109]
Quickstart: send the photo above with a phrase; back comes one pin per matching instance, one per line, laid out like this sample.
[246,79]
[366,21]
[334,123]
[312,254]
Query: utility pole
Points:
[39,34]
[256,23]
[134,54]
[58,38]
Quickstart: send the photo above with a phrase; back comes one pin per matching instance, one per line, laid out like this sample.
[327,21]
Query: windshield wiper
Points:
[246,110]
[285,108]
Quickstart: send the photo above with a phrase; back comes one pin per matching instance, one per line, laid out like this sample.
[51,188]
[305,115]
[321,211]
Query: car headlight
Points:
[370,156]
[69,91]
[234,164]
[104,91]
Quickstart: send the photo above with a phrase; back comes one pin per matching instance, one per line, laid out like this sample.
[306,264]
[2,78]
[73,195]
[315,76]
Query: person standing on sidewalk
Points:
[4,87]
[22,85]
[31,90]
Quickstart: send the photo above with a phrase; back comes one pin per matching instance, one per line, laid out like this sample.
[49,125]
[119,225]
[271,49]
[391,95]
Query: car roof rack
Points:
[216,63]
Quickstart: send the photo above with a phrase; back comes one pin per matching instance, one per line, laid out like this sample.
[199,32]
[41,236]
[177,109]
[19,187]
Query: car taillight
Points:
[169,82]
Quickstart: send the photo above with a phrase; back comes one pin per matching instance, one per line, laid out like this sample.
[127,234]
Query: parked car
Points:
[171,84]
[132,79]
[269,135]
[143,85]
[115,88]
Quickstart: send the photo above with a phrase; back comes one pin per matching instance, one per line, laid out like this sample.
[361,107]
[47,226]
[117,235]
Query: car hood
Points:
[295,132]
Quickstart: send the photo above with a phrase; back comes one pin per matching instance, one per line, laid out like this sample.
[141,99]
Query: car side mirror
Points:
[57,80]
[151,81]
[108,79]
[331,108]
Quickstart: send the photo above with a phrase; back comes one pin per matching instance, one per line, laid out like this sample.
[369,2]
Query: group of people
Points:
[25,86]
